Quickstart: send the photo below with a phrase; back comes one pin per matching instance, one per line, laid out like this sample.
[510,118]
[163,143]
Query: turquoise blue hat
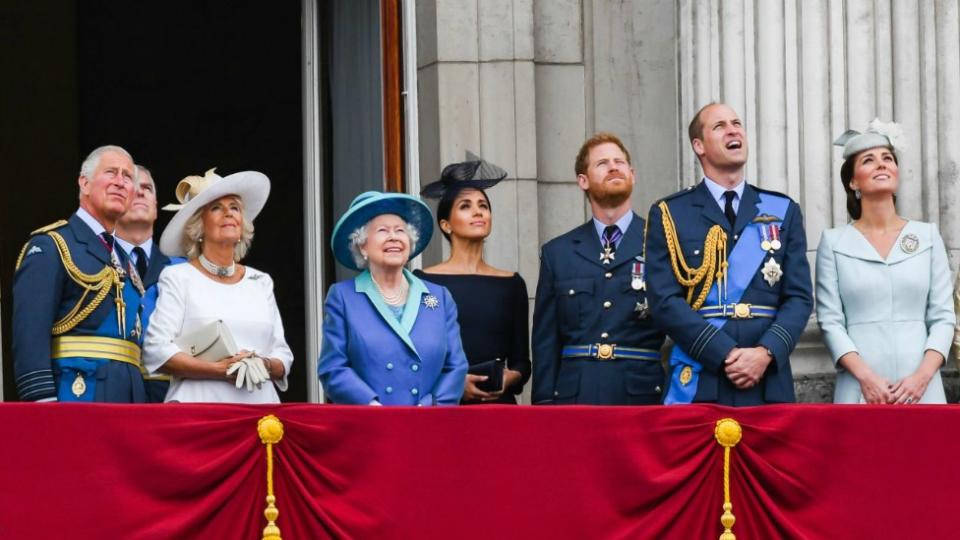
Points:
[371,204]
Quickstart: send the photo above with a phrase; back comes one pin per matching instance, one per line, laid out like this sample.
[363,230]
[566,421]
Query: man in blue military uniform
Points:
[593,341]
[135,236]
[76,297]
[728,275]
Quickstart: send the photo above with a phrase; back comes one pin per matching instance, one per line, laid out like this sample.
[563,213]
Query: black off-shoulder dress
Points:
[493,316]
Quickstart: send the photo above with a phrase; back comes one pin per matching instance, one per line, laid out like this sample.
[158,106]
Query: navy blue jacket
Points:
[694,213]
[156,385]
[570,309]
[43,293]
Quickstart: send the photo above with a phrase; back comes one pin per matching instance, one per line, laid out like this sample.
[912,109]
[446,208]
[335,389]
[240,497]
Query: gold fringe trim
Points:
[270,430]
[727,433]
[714,266]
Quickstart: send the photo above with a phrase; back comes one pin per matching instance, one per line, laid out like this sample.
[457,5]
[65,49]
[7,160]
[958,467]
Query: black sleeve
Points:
[519,359]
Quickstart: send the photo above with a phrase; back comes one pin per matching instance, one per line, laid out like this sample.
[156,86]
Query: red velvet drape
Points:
[199,471]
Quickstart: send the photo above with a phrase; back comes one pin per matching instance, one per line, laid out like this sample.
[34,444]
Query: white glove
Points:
[251,372]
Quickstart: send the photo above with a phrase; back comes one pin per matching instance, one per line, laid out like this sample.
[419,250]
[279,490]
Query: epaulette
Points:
[47,228]
[684,191]
[42,230]
[771,192]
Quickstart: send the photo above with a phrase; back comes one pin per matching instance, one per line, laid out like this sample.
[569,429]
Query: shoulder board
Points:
[50,227]
[682,192]
[771,192]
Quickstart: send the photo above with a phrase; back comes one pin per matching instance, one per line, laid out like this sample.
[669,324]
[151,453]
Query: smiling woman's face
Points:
[875,170]
[388,242]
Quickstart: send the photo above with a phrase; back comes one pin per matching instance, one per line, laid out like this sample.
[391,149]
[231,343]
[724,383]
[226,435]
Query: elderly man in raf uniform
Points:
[134,233]
[593,341]
[76,297]
[728,275]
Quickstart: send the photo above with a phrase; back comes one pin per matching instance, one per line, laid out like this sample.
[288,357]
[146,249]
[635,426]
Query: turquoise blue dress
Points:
[889,310]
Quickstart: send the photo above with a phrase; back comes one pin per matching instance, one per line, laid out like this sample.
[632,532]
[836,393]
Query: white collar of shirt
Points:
[128,247]
[717,191]
[91,222]
[623,223]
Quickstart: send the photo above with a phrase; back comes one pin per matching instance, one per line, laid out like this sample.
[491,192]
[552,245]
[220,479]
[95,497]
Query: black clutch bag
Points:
[493,369]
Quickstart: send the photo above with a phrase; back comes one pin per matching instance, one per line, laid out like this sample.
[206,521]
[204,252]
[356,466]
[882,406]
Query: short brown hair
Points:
[600,138]
[695,129]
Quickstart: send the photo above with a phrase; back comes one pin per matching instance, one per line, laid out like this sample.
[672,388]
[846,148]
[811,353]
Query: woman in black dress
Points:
[492,303]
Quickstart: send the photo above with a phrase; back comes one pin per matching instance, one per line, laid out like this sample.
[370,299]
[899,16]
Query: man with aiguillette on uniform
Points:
[76,297]
[593,341]
[728,275]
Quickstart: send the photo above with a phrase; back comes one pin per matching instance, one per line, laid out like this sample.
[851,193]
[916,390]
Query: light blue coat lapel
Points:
[852,243]
[402,328]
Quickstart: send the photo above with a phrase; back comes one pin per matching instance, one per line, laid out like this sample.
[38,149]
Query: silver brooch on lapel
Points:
[772,272]
[909,243]
[431,301]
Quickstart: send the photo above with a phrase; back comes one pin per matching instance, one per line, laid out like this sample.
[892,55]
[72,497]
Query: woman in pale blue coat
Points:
[389,338]
[883,284]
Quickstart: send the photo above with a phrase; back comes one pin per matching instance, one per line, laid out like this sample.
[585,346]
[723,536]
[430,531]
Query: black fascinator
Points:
[473,173]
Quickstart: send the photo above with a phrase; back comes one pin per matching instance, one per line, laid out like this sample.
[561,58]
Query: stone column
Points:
[814,68]
[476,86]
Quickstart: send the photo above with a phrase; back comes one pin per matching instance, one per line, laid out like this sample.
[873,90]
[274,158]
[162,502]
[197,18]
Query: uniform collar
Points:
[363,283]
[623,223]
[717,191]
[91,222]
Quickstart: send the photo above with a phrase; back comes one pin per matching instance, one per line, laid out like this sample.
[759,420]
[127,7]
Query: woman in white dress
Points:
[213,229]
[883,284]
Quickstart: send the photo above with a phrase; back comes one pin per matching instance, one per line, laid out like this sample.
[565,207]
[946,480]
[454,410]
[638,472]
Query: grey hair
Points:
[140,169]
[89,165]
[359,237]
[192,239]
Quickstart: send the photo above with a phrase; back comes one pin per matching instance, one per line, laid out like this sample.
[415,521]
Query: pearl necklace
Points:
[219,271]
[395,299]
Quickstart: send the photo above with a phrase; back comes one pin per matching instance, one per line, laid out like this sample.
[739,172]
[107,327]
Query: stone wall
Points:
[524,82]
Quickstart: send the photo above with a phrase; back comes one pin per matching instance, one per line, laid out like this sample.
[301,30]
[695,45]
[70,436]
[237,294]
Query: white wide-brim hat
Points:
[195,192]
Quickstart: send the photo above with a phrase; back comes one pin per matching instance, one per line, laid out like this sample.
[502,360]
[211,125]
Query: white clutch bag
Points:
[210,342]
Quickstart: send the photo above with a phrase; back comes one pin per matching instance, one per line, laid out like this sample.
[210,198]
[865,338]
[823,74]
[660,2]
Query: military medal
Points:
[771,272]
[636,277]
[765,235]
[642,309]
[775,233]
[137,328]
[79,386]
[686,375]
[909,243]
[607,255]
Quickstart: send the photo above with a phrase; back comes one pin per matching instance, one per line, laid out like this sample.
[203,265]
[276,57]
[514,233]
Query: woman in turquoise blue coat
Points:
[883,284]
[389,337]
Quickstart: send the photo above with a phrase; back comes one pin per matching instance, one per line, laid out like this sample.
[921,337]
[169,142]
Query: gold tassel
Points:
[728,434]
[270,430]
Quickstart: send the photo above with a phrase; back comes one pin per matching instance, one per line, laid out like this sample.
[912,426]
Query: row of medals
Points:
[637,283]
[770,242]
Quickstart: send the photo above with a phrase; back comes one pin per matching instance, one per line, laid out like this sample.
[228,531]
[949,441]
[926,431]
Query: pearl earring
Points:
[856,193]
[364,255]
